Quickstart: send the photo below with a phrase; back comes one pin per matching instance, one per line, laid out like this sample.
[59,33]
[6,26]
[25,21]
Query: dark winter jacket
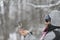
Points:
[51,28]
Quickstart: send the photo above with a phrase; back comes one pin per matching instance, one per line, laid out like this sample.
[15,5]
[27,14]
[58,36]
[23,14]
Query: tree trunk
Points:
[6,14]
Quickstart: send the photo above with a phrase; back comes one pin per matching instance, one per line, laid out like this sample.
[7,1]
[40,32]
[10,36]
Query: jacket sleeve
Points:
[57,27]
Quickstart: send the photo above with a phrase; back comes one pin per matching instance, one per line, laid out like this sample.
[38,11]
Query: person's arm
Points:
[53,27]
[58,27]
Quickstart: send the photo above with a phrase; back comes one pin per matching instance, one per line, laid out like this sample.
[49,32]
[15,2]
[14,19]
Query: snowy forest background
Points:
[31,11]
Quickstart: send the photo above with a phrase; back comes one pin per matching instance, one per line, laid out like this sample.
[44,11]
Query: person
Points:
[23,33]
[49,27]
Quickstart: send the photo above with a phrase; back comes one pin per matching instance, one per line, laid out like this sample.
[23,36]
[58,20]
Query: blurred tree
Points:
[6,14]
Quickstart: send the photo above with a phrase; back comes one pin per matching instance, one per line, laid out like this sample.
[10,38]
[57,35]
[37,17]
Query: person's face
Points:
[23,32]
[46,23]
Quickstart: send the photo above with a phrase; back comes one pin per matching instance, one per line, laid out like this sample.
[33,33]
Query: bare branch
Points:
[42,6]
